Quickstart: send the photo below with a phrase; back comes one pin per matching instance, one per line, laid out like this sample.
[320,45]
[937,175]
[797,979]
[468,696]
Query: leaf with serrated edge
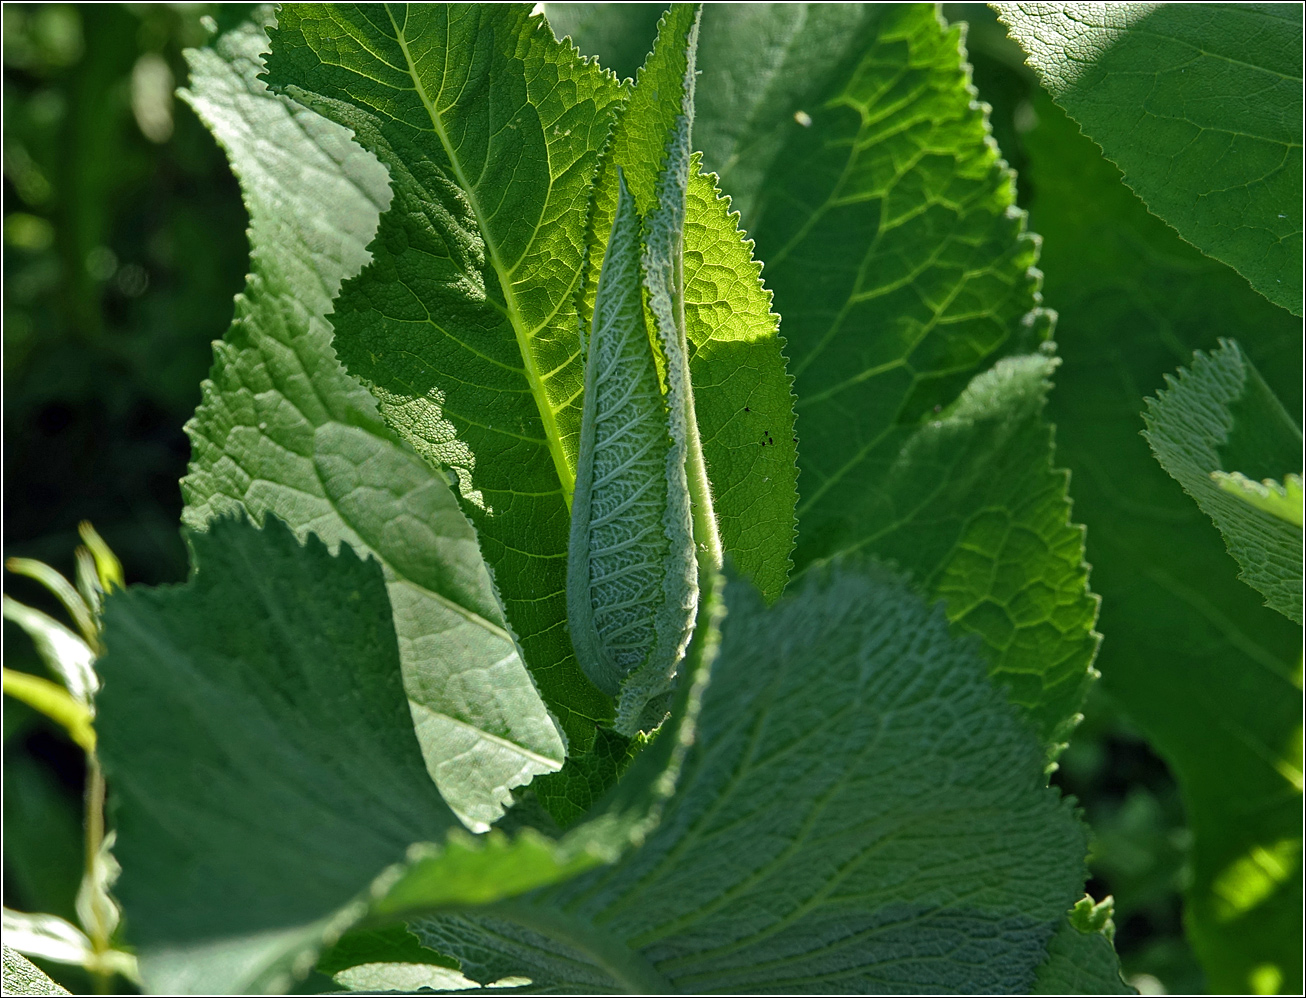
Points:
[741,390]
[1206,672]
[878,824]
[304,805]
[283,429]
[463,323]
[1080,963]
[903,270]
[1200,105]
[1216,405]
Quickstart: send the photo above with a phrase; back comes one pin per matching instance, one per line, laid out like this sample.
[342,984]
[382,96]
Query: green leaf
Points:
[903,271]
[302,778]
[303,806]
[1208,674]
[462,323]
[742,402]
[386,944]
[1218,412]
[22,977]
[284,430]
[1201,106]
[880,823]
[1283,501]
[759,66]
[631,575]
[1080,963]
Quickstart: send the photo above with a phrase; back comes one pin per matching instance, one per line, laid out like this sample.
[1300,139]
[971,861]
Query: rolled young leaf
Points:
[631,590]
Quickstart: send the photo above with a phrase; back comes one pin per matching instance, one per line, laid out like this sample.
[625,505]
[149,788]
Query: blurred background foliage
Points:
[124,243]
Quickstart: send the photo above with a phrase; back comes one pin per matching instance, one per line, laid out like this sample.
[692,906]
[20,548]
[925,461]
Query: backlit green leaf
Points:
[1200,105]
[283,429]
[463,323]
[903,271]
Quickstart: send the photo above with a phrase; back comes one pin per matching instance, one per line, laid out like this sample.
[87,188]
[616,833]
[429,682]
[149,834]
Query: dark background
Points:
[124,243]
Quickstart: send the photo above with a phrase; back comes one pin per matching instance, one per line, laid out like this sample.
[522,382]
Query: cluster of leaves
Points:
[850,789]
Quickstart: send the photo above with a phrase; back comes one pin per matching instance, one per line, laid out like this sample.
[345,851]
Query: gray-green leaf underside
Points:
[1200,105]
[268,788]
[631,583]
[283,429]
[862,811]
[1219,415]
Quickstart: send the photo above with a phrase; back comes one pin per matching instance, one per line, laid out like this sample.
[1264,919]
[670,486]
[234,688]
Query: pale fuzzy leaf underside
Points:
[1219,412]
[630,600]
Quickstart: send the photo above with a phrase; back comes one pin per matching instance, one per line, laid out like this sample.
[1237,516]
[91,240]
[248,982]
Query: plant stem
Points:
[94,840]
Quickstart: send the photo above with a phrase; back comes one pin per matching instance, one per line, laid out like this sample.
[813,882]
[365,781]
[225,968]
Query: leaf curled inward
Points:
[631,590]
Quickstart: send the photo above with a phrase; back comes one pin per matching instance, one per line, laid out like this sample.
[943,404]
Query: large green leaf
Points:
[283,429]
[1209,674]
[1201,106]
[301,804]
[463,323]
[861,812]
[1219,415]
[902,271]
[848,134]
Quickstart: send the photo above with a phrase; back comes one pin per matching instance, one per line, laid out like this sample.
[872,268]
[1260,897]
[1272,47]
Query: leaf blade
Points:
[459,325]
[1200,107]
[777,865]
[283,429]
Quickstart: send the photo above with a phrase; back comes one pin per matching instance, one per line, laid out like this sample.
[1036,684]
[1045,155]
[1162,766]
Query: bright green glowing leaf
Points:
[1219,412]
[1201,106]
[1283,501]
[879,823]
[283,430]
[903,270]
[742,403]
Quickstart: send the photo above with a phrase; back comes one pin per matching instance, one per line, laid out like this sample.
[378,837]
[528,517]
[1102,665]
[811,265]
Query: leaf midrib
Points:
[552,435]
